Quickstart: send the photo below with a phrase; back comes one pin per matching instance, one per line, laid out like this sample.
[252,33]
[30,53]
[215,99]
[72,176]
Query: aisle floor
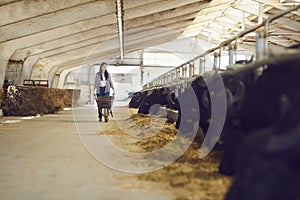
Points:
[44,158]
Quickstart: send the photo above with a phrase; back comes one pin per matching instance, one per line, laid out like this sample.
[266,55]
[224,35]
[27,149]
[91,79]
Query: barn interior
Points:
[203,105]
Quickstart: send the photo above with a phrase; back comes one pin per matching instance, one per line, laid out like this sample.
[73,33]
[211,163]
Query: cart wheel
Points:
[106,114]
[106,118]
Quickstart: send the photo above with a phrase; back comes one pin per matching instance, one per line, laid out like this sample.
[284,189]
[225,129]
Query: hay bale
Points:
[73,97]
[35,100]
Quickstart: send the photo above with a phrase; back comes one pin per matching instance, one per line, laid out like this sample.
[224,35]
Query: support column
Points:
[230,54]
[260,13]
[177,73]
[91,82]
[184,71]
[53,81]
[215,66]
[202,65]
[27,68]
[5,54]
[142,74]
[142,68]
[173,76]
[191,70]
[260,45]
[120,23]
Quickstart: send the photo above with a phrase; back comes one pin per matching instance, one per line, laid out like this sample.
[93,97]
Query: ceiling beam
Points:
[105,51]
[171,14]
[137,38]
[156,7]
[132,36]
[22,10]
[239,19]
[156,19]
[274,4]
[82,38]
[280,41]
[248,9]
[76,41]
[284,33]
[137,3]
[89,25]
[68,29]
[53,20]
[5,2]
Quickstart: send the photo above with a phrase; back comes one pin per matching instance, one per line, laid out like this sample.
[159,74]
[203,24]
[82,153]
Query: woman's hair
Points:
[105,73]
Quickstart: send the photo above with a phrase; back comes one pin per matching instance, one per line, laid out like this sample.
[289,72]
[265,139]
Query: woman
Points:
[103,83]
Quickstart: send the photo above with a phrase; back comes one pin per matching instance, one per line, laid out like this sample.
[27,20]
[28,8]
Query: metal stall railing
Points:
[186,71]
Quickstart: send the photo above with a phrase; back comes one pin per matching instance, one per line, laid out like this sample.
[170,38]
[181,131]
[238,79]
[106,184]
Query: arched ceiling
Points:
[47,38]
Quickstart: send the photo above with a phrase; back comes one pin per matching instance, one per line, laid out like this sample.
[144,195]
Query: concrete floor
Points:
[43,158]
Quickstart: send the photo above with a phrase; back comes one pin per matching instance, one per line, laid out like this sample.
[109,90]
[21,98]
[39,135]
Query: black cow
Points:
[172,101]
[245,61]
[236,86]
[268,165]
[151,103]
[265,105]
[193,110]
[137,98]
